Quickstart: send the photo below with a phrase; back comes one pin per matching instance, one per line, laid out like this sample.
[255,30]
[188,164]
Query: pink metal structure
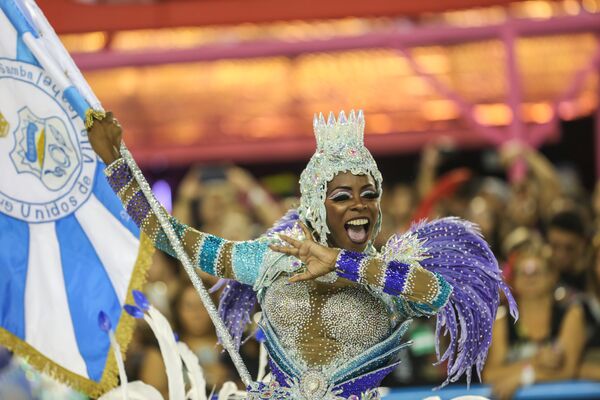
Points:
[403,40]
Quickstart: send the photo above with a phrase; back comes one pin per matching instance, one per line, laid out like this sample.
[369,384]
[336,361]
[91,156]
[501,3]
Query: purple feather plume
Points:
[290,219]
[235,305]
[456,250]
[237,299]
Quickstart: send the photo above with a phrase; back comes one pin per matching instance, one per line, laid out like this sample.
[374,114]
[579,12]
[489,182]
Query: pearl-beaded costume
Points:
[318,324]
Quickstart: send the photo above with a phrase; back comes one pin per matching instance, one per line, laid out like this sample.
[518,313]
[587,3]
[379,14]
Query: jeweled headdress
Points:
[340,148]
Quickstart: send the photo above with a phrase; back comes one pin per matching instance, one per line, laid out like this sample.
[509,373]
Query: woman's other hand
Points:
[190,187]
[506,388]
[550,357]
[105,138]
[319,260]
[241,179]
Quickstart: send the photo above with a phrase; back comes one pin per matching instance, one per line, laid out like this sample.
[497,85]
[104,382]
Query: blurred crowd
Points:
[542,225]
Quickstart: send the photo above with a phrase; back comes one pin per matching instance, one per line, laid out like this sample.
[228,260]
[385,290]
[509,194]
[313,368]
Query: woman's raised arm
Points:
[214,255]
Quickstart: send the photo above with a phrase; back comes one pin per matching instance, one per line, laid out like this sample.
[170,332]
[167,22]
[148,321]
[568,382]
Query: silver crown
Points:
[335,134]
[340,148]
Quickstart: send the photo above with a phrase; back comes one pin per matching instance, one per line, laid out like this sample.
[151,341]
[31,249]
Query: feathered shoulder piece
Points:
[456,250]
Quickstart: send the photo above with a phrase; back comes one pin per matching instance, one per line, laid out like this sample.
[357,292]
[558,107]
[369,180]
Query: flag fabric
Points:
[67,248]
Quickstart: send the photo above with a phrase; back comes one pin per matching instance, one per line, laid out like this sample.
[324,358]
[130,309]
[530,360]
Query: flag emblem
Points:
[43,147]
[48,148]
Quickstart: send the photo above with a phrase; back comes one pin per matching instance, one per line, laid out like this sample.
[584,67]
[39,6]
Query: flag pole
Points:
[67,81]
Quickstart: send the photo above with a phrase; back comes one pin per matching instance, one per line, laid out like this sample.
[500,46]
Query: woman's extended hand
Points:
[105,138]
[318,259]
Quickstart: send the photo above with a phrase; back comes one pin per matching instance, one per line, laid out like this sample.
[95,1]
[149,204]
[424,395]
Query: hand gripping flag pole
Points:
[42,41]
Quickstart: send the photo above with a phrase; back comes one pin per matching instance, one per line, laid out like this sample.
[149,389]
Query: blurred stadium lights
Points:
[242,91]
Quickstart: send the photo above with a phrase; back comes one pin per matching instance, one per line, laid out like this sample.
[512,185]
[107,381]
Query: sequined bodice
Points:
[320,324]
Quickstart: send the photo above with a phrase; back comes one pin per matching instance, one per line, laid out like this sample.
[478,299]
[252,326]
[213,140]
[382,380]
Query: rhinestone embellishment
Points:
[313,385]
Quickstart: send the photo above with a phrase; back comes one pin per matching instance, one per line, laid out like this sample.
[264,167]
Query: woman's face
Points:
[192,314]
[352,205]
[533,277]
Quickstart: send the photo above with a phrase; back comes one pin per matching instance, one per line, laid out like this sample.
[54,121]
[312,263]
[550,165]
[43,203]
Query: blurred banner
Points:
[68,249]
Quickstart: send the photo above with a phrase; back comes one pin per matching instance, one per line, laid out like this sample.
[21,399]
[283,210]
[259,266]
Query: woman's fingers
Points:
[307,234]
[304,276]
[290,240]
[292,251]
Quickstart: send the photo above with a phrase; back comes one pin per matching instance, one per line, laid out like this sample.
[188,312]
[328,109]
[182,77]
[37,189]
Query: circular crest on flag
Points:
[47,163]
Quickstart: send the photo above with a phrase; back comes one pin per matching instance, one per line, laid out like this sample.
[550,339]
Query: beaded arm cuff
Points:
[426,290]
[350,265]
[212,254]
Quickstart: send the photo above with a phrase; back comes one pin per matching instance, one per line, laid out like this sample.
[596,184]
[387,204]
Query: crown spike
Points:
[352,117]
[343,132]
[331,119]
[361,116]
[315,121]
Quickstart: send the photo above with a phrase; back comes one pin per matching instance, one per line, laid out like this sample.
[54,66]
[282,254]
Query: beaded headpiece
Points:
[340,148]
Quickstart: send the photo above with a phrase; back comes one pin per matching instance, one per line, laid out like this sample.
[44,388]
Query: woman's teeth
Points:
[360,221]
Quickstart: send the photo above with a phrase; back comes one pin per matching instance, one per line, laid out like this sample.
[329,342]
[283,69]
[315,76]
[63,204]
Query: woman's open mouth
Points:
[358,230]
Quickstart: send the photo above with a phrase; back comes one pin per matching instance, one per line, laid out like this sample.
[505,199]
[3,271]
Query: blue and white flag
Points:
[67,248]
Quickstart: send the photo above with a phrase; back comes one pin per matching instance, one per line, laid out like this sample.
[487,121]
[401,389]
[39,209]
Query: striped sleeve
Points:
[214,255]
[420,291]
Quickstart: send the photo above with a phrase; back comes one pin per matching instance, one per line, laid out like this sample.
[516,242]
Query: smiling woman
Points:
[352,206]
[334,310]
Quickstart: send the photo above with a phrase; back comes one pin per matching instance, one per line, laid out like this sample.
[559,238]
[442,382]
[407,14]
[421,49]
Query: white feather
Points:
[136,390]
[195,374]
[262,363]
[168,349]
[230,389]
[120,364]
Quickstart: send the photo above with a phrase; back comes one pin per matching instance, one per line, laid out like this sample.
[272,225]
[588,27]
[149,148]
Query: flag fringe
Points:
[123,335]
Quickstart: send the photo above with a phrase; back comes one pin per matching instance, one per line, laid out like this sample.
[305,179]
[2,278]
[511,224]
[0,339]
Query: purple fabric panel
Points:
[138,208]
[395,277]
[365,382]
[235,305]
[348,264]
[280,376]
[119,177]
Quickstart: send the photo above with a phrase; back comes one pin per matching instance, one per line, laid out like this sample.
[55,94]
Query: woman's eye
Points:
[370,194]
[340,197]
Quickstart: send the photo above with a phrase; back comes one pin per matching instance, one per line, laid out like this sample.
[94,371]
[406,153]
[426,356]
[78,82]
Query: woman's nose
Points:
[359,205]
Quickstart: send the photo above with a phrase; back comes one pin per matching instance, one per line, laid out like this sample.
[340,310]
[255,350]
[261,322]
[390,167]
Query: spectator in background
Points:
[590,365]
[163,281]
[546,342]
[206,195]
[536,191]
[566,235]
